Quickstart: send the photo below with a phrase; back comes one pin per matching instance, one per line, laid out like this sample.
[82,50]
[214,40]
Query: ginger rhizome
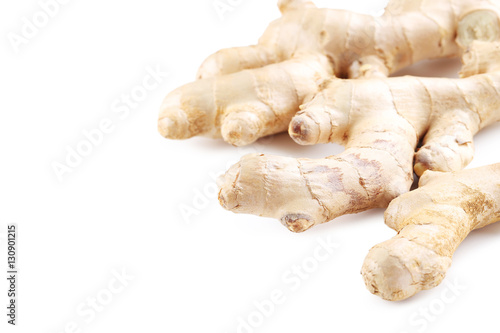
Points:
[294,79]
[431,223]
[380,122]
[245,93]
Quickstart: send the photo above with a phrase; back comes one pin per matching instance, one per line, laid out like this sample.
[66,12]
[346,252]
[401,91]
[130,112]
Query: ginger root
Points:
[431,222]
[291,80]
[246,93]
[380,122]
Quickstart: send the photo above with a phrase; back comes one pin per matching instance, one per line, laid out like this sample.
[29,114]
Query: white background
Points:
[120,208]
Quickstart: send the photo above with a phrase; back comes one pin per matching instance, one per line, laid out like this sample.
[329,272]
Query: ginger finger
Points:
[243,106]
[302,193]
[431,223]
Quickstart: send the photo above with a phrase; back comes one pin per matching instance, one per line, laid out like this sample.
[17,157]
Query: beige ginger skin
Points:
[431,223]
[380,122]
[290,80]
[246,93]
